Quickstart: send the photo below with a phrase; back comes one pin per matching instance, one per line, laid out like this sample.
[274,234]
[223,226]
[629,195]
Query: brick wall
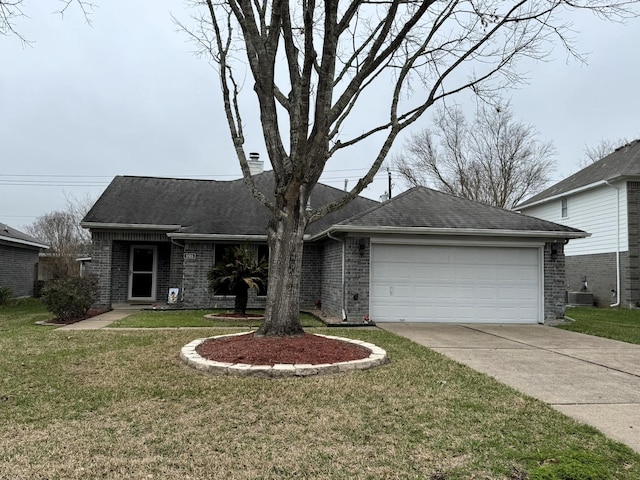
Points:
[331,277]
[600,272]
[110,263]
[357,277]
[311,282]
[554,280]
[18,269]
[184,267]
[176,269]
[100,266]
[631,266]
[198,260]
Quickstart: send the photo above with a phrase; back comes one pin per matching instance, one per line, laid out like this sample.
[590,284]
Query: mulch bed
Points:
[304,349]
[90,313]
[231,317]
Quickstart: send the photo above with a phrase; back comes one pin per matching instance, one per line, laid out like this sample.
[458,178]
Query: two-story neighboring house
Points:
[604,200]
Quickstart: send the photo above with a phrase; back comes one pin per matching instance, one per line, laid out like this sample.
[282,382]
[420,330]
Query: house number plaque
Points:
[190,256]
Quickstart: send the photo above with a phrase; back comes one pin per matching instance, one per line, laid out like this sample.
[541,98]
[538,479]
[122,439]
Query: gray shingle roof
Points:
[623,162]
[11,235]
[204,206]
[425,208]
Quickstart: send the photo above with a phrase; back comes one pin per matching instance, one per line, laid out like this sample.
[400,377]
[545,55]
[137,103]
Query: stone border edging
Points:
[189,355]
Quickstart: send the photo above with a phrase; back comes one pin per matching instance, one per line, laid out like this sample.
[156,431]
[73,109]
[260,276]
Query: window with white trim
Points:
[564,208]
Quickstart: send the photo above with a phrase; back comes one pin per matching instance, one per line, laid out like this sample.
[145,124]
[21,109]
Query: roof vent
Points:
[256,166]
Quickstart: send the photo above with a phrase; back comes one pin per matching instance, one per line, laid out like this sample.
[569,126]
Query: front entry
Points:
[142,273]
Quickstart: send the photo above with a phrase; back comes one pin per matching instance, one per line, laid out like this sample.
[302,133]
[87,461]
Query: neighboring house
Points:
[604,200]
[18,261]
[422,256]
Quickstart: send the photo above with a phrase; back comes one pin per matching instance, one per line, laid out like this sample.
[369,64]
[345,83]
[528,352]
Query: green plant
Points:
[5,295]
[572,465]
[238,271]
[70,298]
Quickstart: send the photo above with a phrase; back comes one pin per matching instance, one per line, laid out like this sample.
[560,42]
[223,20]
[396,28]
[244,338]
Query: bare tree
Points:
[601,150]
[12,10]
[66,239]
[316,67]
[495,160]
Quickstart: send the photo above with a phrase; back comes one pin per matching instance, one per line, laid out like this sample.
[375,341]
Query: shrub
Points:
[70,298]
[238,271]
[5,295]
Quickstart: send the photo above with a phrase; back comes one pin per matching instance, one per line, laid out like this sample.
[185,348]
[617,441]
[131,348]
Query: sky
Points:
[127,96]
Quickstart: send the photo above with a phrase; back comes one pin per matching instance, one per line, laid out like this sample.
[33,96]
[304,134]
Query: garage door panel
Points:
[455,284]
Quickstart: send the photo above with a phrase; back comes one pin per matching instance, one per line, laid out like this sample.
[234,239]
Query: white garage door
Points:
[417,283]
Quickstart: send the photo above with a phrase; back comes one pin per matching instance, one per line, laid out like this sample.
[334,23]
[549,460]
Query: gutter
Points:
[129,226]
[215,236]
[23,242]
[617,244]
[344,310]
[482,232]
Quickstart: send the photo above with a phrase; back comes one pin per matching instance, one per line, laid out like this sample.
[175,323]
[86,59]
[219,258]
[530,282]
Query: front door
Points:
[142,273]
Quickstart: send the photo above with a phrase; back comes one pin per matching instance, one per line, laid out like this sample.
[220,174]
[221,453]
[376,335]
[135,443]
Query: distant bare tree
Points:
[77,208]
[495,160]
[66,239]
[601,150]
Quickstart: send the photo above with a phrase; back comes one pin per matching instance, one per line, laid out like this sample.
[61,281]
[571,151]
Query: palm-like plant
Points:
[238,272]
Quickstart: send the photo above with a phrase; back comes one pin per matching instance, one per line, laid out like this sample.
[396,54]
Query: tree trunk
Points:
[282,311]
[242,297]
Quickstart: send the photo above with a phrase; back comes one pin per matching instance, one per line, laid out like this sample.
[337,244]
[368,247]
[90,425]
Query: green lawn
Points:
[195,318]
[119,404]
[618,324]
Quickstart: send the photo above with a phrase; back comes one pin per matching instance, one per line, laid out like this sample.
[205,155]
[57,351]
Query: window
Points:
[564,208]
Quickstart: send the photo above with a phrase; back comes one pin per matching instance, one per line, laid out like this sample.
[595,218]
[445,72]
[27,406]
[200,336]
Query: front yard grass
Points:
[614,323]
[195,318]
[120,404]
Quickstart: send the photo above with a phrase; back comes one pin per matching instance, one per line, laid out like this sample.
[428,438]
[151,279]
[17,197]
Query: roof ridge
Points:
[375,207]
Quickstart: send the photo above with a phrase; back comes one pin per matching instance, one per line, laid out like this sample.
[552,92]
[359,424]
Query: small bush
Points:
[70,298]
[5,295]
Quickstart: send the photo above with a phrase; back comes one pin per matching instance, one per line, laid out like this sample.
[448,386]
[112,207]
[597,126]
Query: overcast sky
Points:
[126,96]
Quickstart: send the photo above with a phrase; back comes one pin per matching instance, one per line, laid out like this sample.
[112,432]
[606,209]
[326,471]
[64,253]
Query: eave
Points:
[23,242]
[217,237]
[568,193]
[462,232]
[129,226]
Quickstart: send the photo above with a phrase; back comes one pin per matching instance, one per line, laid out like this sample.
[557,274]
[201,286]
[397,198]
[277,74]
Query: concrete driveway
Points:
[593,380]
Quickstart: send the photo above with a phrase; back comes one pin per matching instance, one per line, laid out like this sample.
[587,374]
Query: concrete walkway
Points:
[591,379]
[99,321]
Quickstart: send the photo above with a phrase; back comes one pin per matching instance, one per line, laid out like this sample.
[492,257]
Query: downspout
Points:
[617,245]
[344,309]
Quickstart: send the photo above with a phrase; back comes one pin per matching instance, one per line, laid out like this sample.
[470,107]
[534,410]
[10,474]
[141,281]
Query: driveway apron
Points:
[591,379]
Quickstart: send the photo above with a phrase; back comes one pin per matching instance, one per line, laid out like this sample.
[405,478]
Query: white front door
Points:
[142,272]
[461,284]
